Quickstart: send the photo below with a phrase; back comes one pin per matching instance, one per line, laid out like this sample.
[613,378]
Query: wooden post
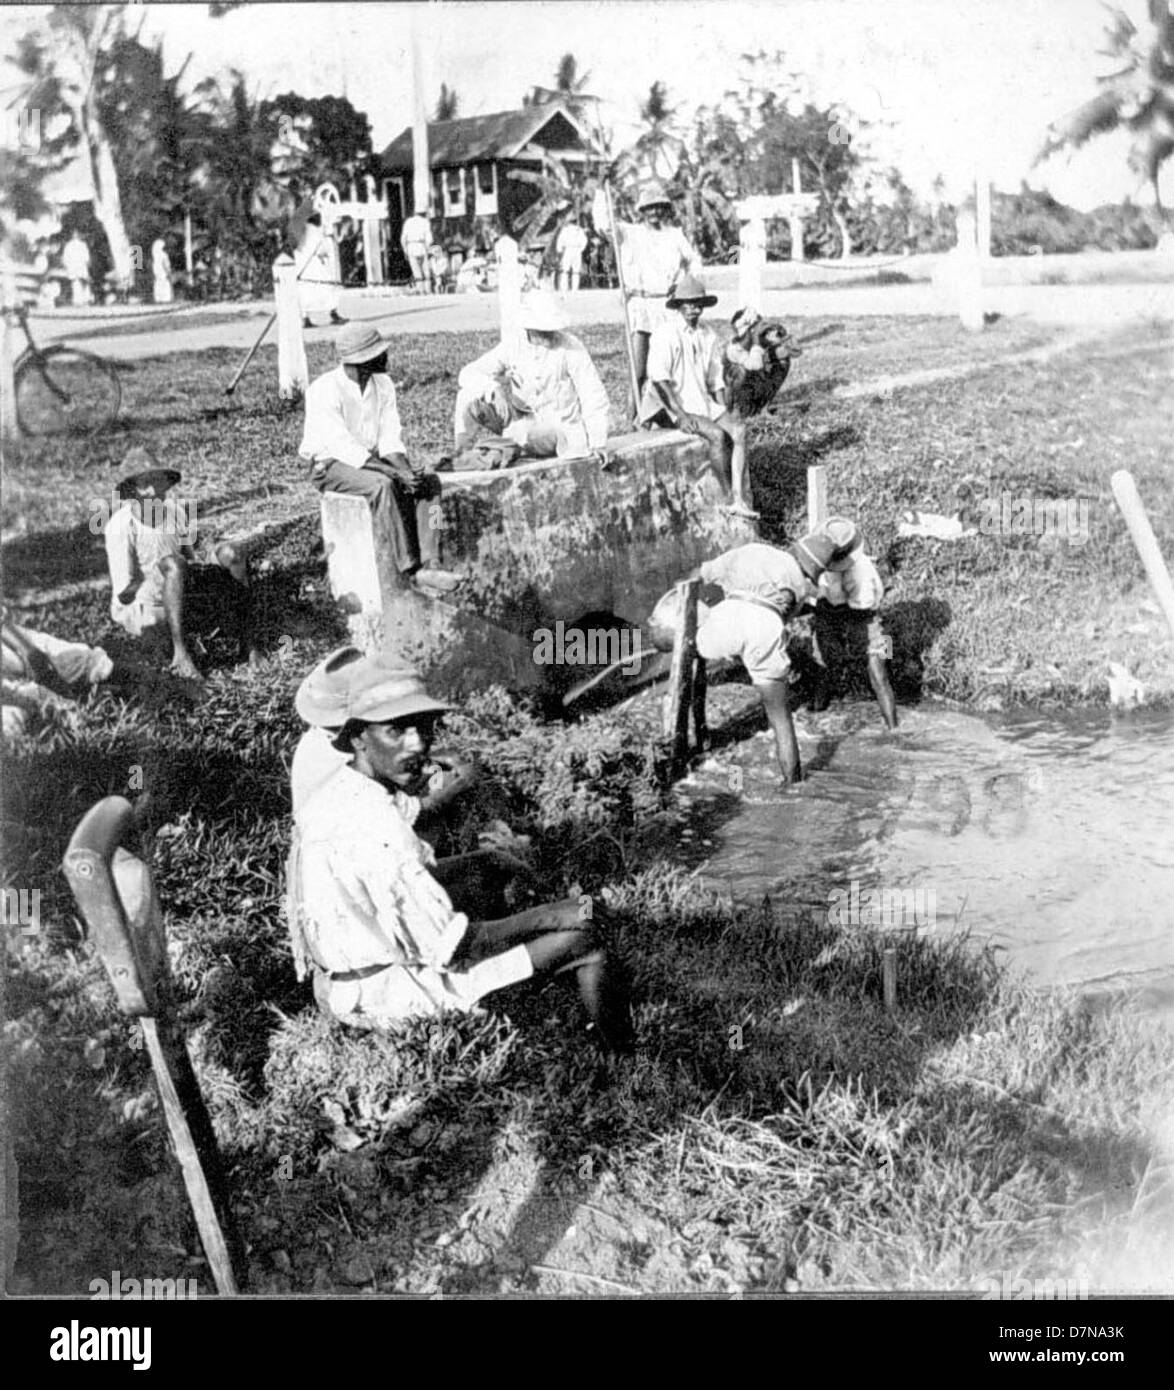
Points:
[679,699]
[116,899]
[293,376]
[1133,510]
[751,262]
[817,497]
[889,978]
[421,169]
[9,430]
[982,212]
[509,289]
[968,271]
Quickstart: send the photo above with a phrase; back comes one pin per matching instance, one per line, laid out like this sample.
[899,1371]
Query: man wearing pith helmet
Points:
[368,913]
[753,592]
[354,443]
[653,255]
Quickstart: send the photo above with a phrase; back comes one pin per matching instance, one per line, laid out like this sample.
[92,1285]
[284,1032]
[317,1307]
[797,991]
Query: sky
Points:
[956,85]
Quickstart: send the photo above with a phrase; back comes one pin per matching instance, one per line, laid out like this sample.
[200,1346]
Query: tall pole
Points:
[421,174]
[614,236]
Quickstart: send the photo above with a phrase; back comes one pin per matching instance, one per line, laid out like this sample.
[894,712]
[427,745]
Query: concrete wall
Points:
[541,542]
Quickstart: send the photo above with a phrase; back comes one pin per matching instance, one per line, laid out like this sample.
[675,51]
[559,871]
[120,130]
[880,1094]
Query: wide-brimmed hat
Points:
[813,553]
[541,312]
[690,290]
[145,472]
[652,196]
[359,342]
[845,538]
[349,685]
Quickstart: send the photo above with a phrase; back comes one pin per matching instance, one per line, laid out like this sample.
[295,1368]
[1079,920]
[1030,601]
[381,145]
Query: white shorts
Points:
[415,991]
[645,314]
[748,631]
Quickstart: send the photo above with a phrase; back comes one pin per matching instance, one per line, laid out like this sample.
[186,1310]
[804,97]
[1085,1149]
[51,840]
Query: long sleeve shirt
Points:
[350,425]
[364,893]
[557,385]
[653,258]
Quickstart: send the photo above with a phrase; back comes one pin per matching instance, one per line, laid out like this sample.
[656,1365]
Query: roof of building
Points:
[502,135]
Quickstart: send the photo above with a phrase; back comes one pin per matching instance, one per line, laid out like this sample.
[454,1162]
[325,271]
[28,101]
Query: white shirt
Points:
[75,259]
[859,585]
[653,258]
[691,360]
[315,761]
[349,425]
[364,894]
[571,243]
[761,570]
[559,385]
[416,232]
[133,553]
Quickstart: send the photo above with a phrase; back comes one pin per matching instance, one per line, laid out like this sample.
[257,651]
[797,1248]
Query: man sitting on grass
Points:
[686,388]
[372,913]
[159,588]
[755,590]
[355,445]
[543,393]
[845,623]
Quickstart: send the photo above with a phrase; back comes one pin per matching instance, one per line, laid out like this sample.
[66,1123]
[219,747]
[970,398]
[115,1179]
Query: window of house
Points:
[486,190]
[454,192]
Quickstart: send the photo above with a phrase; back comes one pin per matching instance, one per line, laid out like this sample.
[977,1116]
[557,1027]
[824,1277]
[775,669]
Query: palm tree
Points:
[659,148]
[1137,97]
[447,104]
[60,59]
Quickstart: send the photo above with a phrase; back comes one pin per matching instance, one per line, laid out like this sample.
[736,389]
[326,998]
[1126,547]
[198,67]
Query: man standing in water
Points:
[753,592]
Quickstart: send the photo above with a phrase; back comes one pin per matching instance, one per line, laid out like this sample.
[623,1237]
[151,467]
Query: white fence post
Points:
[8,425]
[509,289]
[293,375]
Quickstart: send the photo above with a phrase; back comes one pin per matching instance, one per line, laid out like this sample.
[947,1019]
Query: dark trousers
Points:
[412,519]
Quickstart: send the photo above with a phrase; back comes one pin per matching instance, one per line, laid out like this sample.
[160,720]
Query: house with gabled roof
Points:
[472,159]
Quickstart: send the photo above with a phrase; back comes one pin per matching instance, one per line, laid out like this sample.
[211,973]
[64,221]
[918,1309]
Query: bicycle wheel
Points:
[61,391]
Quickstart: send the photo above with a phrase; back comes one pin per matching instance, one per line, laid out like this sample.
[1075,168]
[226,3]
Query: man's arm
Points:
[120,559]
[325,435]
[452,778]
[776,703]
[489,366]
[592,394]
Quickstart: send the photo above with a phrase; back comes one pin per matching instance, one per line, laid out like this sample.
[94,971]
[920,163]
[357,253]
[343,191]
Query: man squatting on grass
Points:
[382,924]
[686,388]
[157,584]
[542,393]
[755,590]
[354,443]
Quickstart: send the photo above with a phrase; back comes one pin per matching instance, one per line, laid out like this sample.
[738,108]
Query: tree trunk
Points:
[108,204]
[845,236]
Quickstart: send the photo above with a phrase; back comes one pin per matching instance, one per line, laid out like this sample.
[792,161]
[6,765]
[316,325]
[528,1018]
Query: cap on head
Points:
[653,196]
[845,538]
[359,342]
[349,685]
[145,473]
[541,312]
[689,290]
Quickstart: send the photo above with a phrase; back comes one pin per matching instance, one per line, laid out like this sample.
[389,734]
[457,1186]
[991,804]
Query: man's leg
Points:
[640,358]
[878,670]
[387,497]
[735,430]
[229,558]
[478,413]
[174,571]
[575,275]
[428,520]
[720,450]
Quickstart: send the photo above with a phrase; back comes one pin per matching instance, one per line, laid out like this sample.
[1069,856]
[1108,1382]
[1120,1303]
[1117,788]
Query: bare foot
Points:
[255,659]
[182,665]
[739,508]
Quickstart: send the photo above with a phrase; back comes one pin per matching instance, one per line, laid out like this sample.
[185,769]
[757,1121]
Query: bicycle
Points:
[62,390]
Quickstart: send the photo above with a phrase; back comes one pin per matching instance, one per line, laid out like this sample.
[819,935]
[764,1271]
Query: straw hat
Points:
[845,537]
[653,196]
[349,685]
[541,312]
[690,290]
[359,342]
[146,474]
[814,553]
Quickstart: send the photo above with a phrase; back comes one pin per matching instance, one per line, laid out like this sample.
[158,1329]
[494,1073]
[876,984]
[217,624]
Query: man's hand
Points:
[691,424]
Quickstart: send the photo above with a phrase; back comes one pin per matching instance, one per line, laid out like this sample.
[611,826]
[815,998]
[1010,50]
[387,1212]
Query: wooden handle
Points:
[677,705]
[1133,510]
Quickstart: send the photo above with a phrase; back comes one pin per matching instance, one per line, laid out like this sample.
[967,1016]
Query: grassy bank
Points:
[779,1128]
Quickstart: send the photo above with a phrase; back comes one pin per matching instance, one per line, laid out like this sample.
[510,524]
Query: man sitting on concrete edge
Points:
[354,442]
[369,908]
[543,392]
[757,589]
[686,388]
[158,585]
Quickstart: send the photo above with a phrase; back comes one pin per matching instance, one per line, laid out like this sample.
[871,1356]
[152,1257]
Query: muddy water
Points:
[1050,837]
